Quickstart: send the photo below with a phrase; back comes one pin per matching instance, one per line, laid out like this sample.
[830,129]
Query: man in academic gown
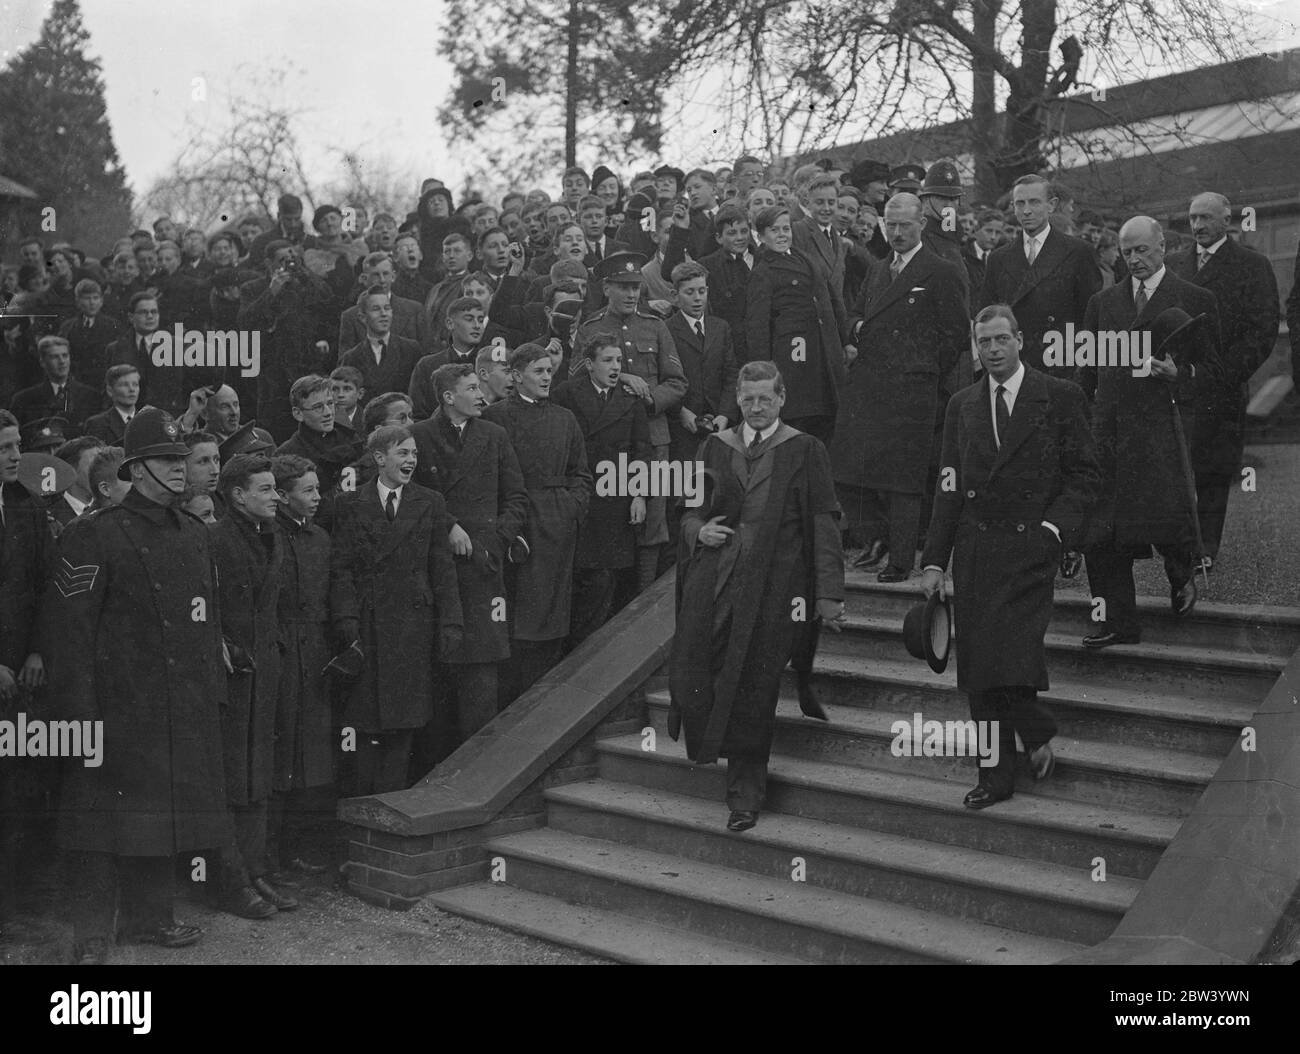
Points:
[764,546]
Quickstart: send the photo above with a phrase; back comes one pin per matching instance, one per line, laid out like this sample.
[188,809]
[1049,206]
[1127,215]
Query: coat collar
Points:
[1049,258]
[1031,402]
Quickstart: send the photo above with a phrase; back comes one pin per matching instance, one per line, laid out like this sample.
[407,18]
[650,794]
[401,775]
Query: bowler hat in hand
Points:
[927,631]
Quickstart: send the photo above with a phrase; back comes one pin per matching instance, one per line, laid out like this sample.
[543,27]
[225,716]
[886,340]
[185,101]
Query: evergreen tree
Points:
[55,136]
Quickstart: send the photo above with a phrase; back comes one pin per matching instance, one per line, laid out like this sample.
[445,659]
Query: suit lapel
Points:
[979,421]
[915,273]
[1049,258]
[408,514]
[1028,411]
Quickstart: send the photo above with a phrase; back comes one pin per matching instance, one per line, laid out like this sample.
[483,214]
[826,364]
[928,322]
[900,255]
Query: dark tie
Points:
[604,395]
[1001,413]
[595,250]
[390,506]
[90,323]
[896,268]
[1031,251]
[751,451]
[698,326]
[1140,301]
[143,355]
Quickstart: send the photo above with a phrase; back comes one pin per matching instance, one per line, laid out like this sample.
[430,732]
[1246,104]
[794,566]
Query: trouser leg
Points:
[476,697]
[746,784]
[1110,576]
[593,600]
[1178,564]
[92,881]
[148,892]
[904,529]
[382,761]
[986,708]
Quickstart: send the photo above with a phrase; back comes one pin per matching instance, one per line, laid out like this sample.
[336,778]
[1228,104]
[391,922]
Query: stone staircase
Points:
[866,857]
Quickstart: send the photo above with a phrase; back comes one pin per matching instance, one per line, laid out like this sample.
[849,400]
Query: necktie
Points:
[141,350]
[90,323]
[1140,301]
[1031,251]
[1001,413]
[895,268]
[698,326]
[829,237]
[752,449]
[604,395]
[390,506]
[1202,258]
[595,250]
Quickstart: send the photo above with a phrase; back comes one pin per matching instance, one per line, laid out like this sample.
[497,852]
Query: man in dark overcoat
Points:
[1144,499]
[26,550]
[304,735]
[1046,276]
[321,439]
[613,423]
[291,309]
[911,331]
[470,462]
[796,319]
[393,590]
[553,460]
[248,556]
[1018,471]
[759,561]
[131,631]
[1249,310]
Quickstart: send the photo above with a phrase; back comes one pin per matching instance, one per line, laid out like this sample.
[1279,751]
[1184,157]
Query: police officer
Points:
[940,195]
[652,371]
[132,640]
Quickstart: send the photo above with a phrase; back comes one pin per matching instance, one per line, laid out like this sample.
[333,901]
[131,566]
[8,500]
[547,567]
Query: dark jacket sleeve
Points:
[1080,473]
[512,497]
[758,323]
[948,493]
[442,567]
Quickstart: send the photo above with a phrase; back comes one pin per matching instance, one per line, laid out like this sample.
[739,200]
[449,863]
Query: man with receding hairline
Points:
[1144,500]
[1243,281]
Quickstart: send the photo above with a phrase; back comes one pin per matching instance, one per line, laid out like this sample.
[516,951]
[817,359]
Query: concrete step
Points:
[1198,671]
[1102,773]
[1029,896]
[1142,715]
[606,933]
[776,915]
[1260,629]
[1029,825]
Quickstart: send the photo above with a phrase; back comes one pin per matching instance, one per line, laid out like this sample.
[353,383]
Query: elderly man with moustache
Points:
[1250,308]
[1145,500]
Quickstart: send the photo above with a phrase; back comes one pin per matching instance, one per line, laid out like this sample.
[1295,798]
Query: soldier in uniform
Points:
[132,636]
[653,373]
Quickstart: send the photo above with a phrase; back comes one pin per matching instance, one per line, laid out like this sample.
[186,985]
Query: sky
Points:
[370,75]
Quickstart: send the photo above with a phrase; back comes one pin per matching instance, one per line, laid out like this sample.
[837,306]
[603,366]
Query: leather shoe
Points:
[893,574]
[93,952]
[809,704]
[741,821]
[871,555]
[277,897]
[174,935]
[1105,640]
[1183,599]
[247,903]
[981,798]
[1041,762]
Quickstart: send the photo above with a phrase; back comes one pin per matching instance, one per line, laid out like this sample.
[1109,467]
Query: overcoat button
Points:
[1020,527]
[970,494]
[171,662]
[157,587]
[983,526]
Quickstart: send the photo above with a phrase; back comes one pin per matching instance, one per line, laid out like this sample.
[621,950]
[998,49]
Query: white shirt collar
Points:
[1213,248]
[1151,284]
[1011,384]
[524,397]
[122,414]
[747,433]
[76,504]
[1038,238]
[385,490]
[907,256]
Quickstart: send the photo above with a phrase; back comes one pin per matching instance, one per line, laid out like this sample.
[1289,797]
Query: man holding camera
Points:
[291,308]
